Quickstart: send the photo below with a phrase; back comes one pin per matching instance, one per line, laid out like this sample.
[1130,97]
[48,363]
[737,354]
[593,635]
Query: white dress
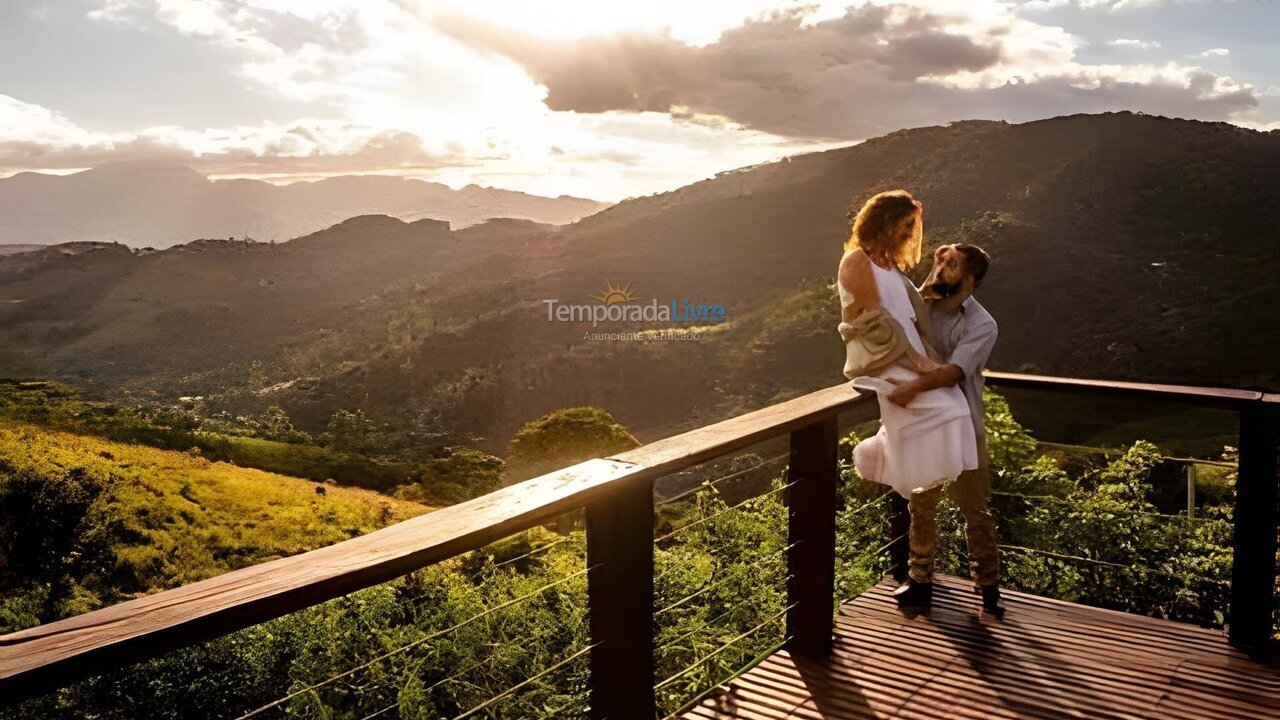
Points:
[930,441]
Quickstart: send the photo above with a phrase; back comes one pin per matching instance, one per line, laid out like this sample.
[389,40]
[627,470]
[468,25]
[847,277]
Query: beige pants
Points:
[970,492]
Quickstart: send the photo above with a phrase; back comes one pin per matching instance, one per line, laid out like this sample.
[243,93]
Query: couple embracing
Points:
[923,352]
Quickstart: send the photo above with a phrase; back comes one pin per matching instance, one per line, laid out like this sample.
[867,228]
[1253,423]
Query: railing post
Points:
[620,600]
[811,528]
[1253,565]
[899,542]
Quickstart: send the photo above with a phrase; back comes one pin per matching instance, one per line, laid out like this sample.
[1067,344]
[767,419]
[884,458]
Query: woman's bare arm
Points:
[856,277]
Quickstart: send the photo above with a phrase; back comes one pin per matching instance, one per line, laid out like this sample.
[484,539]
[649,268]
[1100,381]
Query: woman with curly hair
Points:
[886,327]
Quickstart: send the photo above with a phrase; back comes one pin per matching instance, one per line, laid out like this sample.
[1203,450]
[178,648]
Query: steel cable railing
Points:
[1064,501]
[510,561]
[493,700]
[708,625]
[524,683]
[1060,501]
[680,648]
[726,646]
[1115,565]
[724,580]
[868,504]
[705,485]
[526,641]
[413,644]
[726,510]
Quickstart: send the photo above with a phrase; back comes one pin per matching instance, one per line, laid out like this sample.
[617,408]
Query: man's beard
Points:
[945,290]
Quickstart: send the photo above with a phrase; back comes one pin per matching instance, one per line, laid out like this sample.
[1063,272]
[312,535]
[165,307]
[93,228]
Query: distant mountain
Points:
[12,249]
[163,203]
[1124,246]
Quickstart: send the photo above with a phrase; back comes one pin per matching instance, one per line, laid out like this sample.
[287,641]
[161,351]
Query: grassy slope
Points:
[188,518]
[56,406]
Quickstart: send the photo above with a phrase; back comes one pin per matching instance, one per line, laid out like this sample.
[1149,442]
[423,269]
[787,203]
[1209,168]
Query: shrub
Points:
[564,437]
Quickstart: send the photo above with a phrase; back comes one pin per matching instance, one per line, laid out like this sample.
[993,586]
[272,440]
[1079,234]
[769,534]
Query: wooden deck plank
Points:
[881,687]
[1085,661]
[1106,641]
[1046,659]
[1115,653]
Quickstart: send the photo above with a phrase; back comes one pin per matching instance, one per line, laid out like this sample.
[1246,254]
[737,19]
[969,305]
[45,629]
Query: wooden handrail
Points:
[1229,398]
[61,652]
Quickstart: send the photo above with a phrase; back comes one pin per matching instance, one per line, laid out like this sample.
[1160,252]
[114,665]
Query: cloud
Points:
[1112,5]
[477,117]
[876,68]
[607,155]
[1214,52]
[1138,44]
[300,54]
[595,99]
[38,125]
[35,138]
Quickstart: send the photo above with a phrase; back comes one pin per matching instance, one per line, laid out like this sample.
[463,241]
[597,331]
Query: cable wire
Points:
[408,646]
[1064,501]
[705,485]
[458,674]
[708,588]
[707,625]
[722,648]
[869,503]
[882,548]
[1106,563]
[509,691]
[518,558]
[718,513]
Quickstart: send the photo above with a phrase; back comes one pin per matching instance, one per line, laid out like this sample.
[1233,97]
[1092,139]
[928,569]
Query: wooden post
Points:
[1253,565]
[811,528]
[620,597]
[1191,489]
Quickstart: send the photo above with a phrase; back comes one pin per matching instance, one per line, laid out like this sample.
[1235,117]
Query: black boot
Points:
[915,595]
[991,601]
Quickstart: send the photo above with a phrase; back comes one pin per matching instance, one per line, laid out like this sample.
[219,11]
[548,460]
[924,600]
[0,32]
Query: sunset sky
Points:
[584,97]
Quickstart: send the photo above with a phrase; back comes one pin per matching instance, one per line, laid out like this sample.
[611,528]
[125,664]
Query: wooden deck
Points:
[1045,659]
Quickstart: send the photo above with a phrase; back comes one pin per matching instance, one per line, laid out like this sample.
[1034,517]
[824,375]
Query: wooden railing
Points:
[617,494]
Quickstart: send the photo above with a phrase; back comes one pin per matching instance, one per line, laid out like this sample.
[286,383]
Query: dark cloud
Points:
[856,76]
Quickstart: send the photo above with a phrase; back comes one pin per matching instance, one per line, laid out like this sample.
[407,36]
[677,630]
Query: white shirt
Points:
[965,338]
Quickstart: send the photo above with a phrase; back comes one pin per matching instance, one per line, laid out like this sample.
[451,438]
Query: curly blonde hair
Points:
[889,229]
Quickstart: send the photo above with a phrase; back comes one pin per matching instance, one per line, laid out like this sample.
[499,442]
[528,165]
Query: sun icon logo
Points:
[614,294]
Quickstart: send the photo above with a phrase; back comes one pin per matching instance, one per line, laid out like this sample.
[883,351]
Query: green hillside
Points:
[113,520]
[1114,256]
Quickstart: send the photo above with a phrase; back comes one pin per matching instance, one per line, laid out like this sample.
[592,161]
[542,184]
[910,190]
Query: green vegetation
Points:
[462,475]
[86,522]
[564,437]
[507,623]
[351,432]
[1097,538]
[353,450]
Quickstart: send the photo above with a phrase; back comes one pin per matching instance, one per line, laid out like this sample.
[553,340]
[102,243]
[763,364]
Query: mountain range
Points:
[1124,246]
[162,203]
